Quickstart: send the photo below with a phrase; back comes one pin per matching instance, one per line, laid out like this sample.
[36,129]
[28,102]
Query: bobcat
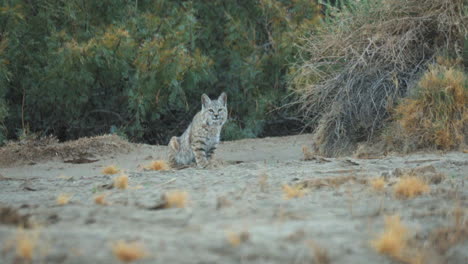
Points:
[199,141]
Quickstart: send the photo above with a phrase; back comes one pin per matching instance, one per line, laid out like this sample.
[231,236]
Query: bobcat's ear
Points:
[205,100]
[223,99]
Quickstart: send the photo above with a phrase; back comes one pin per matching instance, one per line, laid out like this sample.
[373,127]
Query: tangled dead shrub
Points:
[37,149]
[437,116]
[365,58]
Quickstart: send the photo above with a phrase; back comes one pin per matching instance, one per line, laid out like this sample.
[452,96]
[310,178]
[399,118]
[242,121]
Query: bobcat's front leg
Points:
[199,151]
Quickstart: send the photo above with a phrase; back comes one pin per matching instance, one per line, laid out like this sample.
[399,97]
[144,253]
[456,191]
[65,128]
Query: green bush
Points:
[76,68]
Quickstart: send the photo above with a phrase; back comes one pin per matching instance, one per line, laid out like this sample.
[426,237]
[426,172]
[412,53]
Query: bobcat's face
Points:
[214,111]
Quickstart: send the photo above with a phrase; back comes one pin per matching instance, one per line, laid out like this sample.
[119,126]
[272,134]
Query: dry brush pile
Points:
[367,56]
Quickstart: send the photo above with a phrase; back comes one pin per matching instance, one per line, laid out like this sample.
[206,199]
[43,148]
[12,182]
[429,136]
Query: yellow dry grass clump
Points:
[438,114]
[176,199]
[26,243]
[393,240]
[159,165]
[128,251]
[100,199]
[63,199]
[377,184]
[237,238]
[121,182]
[410,186]
[110,170]
[290,192]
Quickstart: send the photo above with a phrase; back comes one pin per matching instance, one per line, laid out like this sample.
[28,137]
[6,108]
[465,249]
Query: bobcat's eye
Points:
[211,111]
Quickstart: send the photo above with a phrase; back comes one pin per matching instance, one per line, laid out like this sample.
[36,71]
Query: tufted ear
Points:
[222,99]
[205,100]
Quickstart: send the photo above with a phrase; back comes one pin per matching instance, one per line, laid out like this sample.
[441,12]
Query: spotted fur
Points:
[200,139]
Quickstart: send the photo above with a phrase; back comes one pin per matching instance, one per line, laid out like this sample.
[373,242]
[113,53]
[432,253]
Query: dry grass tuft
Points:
[176,199]
[377,184]
[393,240]
[320,254]
[263,182]
[26,243]
[159,165]
[100,199]
[334,182]
[63,199]
[308,155]
[367,55]
[437,116]
[110,170]
[444,238]
[237,238]
[290,192]
[121,182]
[128,251]
[410,186]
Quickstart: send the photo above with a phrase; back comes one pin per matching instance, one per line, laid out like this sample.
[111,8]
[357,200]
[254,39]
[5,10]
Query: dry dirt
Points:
[236,211]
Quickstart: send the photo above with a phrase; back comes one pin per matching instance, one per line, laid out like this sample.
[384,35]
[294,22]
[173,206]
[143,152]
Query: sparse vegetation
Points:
[378,184]
[26,242]
[263,181]
[308,155]
[175,199]
[100,199]
[295,191]
[237,238]
[110,170]
[393,242]
[409,187]
[129,251]
[63,199]
[334,181]
[320,253]
[159,165]
[121,182]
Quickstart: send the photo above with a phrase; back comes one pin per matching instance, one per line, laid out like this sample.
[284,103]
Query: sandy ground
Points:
[242,196]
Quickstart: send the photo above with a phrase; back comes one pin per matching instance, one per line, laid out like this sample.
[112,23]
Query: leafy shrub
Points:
[82,67]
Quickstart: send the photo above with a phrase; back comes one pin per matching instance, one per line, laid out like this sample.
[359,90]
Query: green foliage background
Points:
[76,68]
